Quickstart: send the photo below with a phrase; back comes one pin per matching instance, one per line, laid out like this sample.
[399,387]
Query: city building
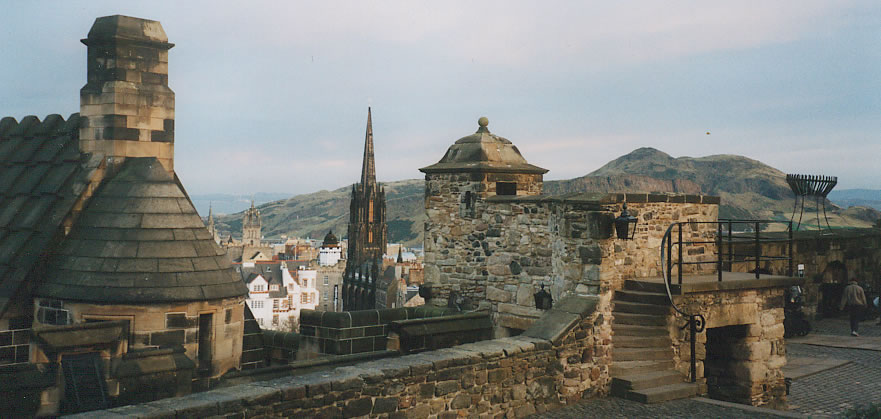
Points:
[277,293]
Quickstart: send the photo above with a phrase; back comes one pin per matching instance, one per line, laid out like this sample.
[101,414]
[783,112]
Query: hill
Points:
[748,188]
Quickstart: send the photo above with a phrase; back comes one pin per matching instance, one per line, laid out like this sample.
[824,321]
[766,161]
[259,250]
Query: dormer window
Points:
[273,287]
[258,288]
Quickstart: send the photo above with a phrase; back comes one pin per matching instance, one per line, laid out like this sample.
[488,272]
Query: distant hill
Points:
[313,215]
[748,188]
[856,197]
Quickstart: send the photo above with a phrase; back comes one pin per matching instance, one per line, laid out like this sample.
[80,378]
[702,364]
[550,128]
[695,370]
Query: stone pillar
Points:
[127,106]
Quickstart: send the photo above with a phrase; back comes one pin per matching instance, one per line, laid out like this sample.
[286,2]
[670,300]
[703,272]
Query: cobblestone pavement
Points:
[825,394]
[829,393]
[613,407]
[841,326]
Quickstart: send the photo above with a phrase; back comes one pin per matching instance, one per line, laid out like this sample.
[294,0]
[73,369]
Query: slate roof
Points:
[140,240]
[271,272]
[42,174]
[483,151]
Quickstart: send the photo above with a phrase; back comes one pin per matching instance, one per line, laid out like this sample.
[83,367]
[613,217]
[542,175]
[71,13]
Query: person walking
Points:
[854,300]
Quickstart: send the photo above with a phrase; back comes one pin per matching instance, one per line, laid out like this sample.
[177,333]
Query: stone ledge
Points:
[558,321]
[600,199]
[740,284]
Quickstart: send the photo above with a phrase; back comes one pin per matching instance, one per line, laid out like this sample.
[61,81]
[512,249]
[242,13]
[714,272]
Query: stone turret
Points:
[474,168]
[126,103]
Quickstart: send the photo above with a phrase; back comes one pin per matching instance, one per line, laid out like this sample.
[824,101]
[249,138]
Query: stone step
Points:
[641,354]
[625,341]
[625,368]
[639,330]
[642,297]
[638,319]
[645,286]
[640,308]
[666,393]
[645,380]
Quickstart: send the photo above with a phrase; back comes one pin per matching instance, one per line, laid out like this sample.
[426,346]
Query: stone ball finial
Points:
[483,121]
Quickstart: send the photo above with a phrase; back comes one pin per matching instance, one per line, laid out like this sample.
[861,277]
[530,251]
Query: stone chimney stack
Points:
[127,105]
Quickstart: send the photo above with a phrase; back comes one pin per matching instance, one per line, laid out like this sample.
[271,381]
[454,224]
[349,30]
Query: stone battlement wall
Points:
[502,250]
[562,359]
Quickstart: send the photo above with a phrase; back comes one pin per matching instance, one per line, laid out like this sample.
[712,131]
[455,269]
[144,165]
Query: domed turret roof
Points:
[140,241]
[483,152]
[330,240]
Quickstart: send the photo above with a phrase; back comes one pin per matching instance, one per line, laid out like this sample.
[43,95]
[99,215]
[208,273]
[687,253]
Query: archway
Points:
[834,279]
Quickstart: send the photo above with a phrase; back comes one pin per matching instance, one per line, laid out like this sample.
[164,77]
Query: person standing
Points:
[854,300]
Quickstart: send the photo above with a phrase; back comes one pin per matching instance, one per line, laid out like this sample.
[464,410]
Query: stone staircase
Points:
[642,355]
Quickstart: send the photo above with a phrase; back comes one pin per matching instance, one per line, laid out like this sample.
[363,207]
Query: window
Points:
[260,321]
[325,280]
[275,305]
[291,301]
[307,298]
[506,188]
[275,319]
[258,288]
[256,304]
[273,287]
[52,312]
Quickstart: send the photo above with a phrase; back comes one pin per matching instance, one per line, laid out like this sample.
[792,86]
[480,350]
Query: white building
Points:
[330,252]
[276,294]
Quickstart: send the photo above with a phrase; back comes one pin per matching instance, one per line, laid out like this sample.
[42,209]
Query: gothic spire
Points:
[368,168]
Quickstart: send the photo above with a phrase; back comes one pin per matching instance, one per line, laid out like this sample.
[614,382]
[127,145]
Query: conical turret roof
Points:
[483,151]
[140,240]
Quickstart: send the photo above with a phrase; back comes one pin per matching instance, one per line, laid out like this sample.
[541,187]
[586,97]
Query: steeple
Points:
[368,167]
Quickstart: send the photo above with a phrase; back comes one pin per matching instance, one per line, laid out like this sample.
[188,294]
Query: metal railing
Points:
[725,235]
[696,322]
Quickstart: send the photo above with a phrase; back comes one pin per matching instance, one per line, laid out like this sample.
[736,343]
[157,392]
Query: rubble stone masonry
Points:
[502,250]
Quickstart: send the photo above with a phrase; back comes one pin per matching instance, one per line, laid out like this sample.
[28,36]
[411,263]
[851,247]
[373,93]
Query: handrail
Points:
[695,322]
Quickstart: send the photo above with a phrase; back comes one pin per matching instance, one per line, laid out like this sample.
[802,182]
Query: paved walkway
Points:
[831,372]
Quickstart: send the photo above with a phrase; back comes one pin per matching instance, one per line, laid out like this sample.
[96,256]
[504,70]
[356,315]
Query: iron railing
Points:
[725,234]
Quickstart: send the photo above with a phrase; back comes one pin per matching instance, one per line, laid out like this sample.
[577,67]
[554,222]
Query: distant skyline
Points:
[273,96]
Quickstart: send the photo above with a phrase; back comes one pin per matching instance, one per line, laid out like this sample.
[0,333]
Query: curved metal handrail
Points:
[696,323]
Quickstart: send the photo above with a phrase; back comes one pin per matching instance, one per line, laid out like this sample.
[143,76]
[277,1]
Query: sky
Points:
[273,96]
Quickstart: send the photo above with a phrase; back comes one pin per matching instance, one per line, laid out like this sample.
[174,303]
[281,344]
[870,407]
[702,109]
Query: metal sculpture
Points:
[817,186]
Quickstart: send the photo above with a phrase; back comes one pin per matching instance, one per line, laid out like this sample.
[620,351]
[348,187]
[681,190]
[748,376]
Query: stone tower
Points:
[368,232]
[126,103]
[251,226]
[474,168]
[211,227]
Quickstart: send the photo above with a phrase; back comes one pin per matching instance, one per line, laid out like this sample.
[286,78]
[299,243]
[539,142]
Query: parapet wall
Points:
[501,253]
[562,359]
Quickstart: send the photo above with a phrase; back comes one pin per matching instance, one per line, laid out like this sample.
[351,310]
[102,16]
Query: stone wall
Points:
[560,361]
[501,253]
[752,362]
[351,332]
[830,259]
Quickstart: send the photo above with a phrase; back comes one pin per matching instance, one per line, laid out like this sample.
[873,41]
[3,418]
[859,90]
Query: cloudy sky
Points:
[273,96]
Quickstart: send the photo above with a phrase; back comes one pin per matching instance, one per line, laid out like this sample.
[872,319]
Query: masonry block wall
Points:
[742,352]
[562,360]
[507,247]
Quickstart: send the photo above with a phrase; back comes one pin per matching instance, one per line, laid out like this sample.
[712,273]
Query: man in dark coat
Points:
[854,300]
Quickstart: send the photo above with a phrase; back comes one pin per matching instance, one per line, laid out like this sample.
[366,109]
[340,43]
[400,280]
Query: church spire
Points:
[368,168]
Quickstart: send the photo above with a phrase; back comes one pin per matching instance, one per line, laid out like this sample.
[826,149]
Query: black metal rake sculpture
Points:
[817,186]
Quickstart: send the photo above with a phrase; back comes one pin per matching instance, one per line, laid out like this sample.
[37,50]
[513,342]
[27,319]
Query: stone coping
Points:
[689,287]
[599,199]
[555,324]
[838,233]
